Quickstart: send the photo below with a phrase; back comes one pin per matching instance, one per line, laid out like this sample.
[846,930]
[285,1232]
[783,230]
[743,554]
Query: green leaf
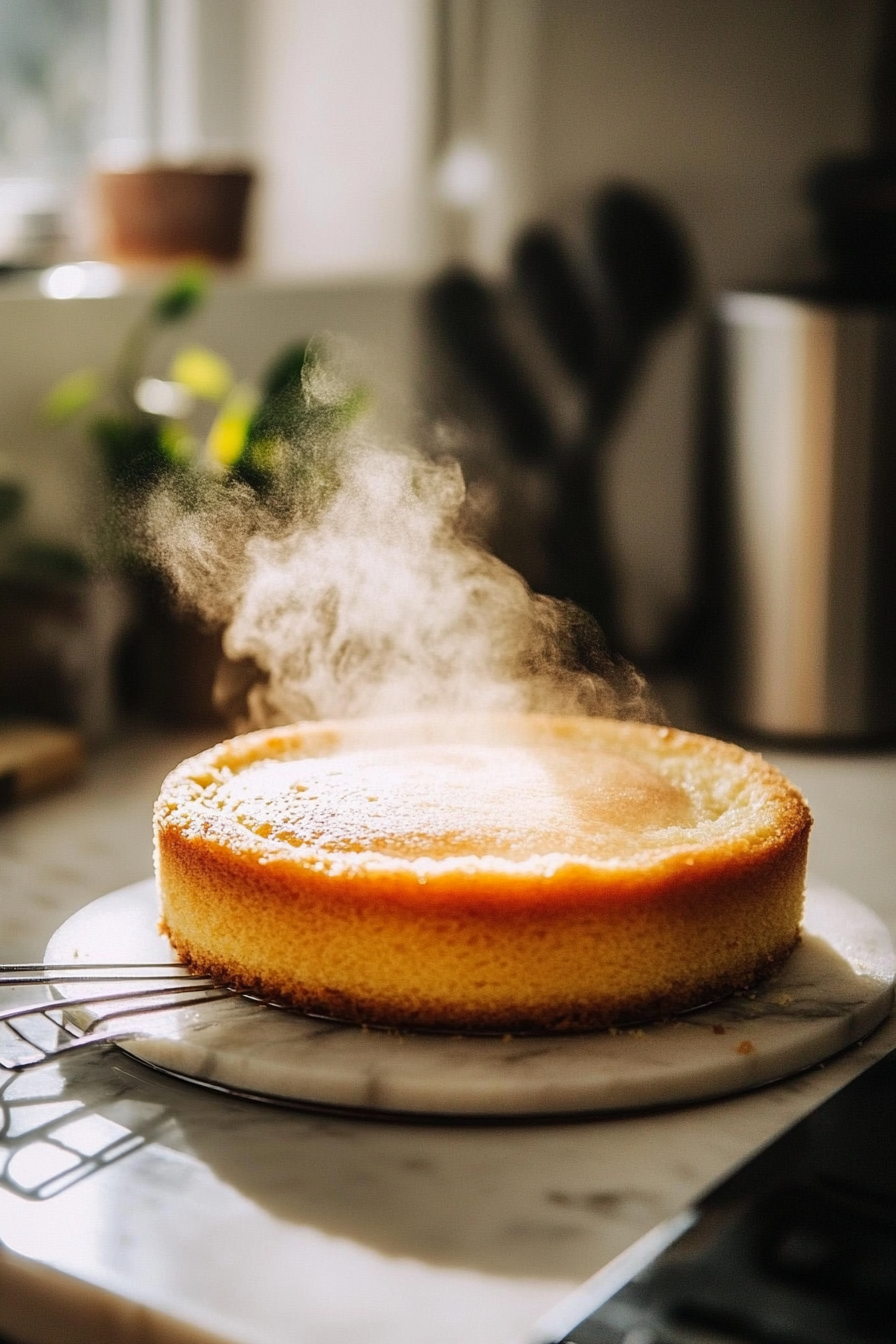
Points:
[177,443]
[182,295]
[285,370]
[356,402]
[132,452]
[12,500]
[71,395]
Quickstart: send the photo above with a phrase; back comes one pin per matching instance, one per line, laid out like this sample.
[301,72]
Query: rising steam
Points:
[361,593]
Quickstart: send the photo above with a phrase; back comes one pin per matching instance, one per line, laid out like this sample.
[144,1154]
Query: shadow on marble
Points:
[532,1201]
[549,1199]
[53,1135]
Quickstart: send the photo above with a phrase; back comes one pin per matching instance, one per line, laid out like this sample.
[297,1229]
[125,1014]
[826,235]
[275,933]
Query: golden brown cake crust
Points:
[482,873]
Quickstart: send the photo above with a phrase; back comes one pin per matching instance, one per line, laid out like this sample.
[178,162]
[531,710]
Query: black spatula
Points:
[647,275]
[465,315]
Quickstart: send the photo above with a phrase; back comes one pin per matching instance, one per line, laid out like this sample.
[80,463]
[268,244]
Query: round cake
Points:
[482,873]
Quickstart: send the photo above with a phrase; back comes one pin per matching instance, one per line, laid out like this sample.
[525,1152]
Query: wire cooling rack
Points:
[36,1031]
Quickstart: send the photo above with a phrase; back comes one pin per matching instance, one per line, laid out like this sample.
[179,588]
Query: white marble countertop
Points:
[134,1207]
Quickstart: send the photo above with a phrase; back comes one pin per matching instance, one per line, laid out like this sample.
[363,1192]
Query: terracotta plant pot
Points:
[60,639]
[169,662]
[174,214]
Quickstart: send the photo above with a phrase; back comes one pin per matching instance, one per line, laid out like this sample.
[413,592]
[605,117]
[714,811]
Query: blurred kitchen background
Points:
[391,155]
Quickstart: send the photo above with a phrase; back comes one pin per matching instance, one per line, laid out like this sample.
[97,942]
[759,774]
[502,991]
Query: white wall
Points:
[719,103]
[339,113]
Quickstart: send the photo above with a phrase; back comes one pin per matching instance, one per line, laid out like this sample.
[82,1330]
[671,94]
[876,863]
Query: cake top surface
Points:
[528,794]
[412,802]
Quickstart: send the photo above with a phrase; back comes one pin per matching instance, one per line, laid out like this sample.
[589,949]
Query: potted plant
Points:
[150,434]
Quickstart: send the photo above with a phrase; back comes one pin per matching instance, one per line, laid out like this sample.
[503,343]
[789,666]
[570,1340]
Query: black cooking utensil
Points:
[465,315]
[567,315]
[576,543]
[643,259]
[647,276]
[560,303]
[599,336]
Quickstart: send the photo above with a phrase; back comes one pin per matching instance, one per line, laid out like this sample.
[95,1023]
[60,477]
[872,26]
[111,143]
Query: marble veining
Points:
[836,988]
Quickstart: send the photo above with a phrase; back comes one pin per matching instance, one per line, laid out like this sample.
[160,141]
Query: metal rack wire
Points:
[32,1033]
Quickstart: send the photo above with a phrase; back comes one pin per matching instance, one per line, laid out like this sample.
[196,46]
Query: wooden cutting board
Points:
[35,757]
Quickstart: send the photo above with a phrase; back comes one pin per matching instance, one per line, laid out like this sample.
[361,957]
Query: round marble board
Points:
[837,986]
